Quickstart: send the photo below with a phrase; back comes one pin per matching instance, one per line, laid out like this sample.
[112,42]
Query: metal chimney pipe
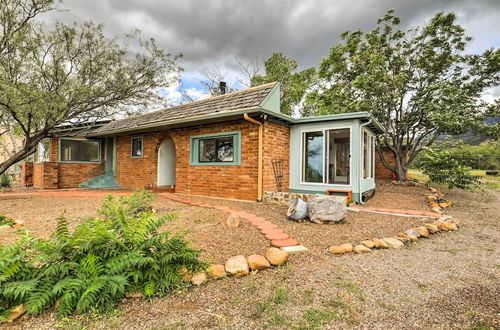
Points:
[222,87]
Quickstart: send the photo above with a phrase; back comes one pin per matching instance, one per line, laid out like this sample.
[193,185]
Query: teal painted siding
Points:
[194,149]
[357,185]
[272,100]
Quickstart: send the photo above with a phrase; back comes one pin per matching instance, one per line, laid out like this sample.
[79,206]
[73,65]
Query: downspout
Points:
[361,160]
[261,155]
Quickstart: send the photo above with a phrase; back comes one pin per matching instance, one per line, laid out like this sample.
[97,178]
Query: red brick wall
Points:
[276,147]
[65,175]
[45,175]
[238,181]
[26,174]
[38,175]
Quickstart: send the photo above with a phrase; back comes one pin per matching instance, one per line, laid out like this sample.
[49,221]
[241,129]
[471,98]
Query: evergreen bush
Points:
[93,267]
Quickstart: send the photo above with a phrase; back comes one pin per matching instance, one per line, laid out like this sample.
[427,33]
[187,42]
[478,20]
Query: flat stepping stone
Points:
[284,242]
[267,225]
[295,249]
[276,236]
[272,231]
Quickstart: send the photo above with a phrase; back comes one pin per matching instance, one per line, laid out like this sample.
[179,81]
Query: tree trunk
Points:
[28,149]
[401,172]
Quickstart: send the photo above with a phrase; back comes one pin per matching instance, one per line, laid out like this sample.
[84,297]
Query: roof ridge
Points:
[198,101]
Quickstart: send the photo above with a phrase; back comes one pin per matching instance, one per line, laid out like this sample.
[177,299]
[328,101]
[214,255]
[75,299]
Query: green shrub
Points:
[442,168]
[93,267]
[4,220]
[5,180]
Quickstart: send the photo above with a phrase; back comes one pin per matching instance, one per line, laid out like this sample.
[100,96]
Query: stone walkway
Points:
[271,232]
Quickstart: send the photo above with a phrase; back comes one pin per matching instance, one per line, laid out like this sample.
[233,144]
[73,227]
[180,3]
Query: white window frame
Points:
[371,152]
[37,155]
[325,167]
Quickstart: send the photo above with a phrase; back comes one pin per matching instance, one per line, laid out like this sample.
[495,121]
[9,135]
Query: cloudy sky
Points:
[217,32]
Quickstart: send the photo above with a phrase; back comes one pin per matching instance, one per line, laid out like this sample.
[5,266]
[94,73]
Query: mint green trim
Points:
[193,149]
[59,159]
[132,145]
[355,197]
[303,191]
[272,100]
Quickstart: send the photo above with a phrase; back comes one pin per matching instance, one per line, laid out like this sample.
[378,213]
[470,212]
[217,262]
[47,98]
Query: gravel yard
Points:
[205,228]
[450,280]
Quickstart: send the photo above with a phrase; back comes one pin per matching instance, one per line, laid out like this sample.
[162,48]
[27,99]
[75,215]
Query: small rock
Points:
[4,228]
[20,222]
[436,209]
[15,313]
[404,240]
[444,218]
[405,236]
[342,248]
[276,256]
[258,262]
[233,221]
[422,231]
[431,228]
[237,265]
[369,244]
[17,225]
[393,243]
[412,232]
[360,248]
[380,244]
[433,190]
[216,271]
[448,226]
[443,205]
[199,278]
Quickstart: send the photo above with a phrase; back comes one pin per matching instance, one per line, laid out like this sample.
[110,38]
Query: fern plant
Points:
[93,267]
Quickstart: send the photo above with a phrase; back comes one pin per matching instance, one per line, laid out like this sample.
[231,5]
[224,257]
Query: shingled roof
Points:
[249,98]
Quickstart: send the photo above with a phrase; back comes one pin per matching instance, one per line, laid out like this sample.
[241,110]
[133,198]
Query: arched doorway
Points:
[166,163]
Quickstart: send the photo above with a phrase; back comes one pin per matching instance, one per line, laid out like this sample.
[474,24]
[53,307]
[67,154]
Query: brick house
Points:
[236,145]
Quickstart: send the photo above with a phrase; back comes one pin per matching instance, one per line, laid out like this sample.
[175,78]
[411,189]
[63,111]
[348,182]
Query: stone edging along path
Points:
[277,237]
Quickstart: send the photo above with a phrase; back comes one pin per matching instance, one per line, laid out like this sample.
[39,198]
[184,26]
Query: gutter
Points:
[361,159]
[260,157]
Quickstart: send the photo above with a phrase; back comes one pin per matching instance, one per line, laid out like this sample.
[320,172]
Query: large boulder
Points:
[323,208]
[237,265]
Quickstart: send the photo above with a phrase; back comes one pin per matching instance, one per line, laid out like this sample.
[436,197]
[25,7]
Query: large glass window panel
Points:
[43,151]
[217,149]
[80,150]
[339,156]
[313,157]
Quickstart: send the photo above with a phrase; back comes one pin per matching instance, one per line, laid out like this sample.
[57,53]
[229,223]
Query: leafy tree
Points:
[418,83]
[294,84]
[70,74]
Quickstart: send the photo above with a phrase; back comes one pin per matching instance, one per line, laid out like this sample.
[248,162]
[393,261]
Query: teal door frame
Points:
[110,149]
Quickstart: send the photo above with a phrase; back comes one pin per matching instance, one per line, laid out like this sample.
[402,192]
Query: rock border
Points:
[443,224]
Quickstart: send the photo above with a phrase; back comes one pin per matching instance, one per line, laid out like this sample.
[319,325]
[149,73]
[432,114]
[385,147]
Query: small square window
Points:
[137,147]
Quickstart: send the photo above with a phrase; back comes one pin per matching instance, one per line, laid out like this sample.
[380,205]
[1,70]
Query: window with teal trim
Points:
[216,149]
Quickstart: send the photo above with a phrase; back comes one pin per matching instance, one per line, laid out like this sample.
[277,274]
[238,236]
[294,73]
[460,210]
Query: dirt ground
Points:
[205,228]
[450,280]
